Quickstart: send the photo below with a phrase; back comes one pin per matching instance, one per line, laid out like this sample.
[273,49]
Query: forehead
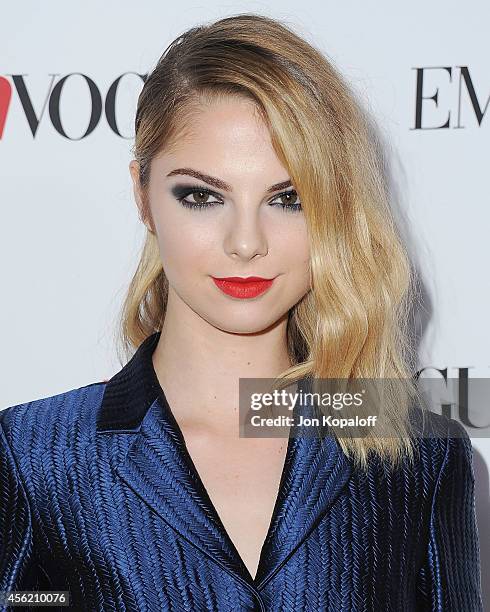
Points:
[223,136]
[227,120]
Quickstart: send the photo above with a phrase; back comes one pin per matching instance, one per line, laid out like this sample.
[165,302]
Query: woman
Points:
[252,159]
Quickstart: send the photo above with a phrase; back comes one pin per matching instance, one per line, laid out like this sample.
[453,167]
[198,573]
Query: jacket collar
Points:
[159,469]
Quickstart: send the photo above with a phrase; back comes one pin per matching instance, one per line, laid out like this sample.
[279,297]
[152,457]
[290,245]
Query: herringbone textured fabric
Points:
[99,496]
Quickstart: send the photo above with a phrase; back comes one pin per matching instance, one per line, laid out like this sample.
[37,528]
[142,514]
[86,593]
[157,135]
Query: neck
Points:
[199,365]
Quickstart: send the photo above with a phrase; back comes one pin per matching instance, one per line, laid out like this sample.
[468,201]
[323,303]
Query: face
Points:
[219,211]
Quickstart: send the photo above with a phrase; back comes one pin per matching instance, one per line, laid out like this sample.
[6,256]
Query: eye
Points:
[200,197]
[288,201]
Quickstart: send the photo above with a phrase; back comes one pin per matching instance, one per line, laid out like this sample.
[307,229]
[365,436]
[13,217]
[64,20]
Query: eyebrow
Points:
[218,183]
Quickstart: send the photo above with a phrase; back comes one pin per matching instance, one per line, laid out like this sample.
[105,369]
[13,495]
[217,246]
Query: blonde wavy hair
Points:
[353,323]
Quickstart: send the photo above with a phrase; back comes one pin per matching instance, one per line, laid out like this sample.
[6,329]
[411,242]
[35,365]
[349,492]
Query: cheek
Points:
[184,247]
[293,247]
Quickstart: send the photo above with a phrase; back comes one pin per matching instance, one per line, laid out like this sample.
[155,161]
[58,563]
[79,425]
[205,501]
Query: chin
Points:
[240,324]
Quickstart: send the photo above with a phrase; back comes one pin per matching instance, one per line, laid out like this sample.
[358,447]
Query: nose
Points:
[245,237]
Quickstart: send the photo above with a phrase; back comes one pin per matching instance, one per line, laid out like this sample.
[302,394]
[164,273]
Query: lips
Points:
[243,288]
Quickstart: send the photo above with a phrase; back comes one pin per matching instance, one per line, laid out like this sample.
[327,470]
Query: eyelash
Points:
[296,207]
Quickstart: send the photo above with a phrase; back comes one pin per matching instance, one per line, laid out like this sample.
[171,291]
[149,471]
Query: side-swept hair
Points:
[353,323]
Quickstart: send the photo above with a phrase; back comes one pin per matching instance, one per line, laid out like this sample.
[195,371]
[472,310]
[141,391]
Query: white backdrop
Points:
[70,234]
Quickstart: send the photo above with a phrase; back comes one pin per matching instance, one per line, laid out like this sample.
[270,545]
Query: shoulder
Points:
[50,421]
[443,445]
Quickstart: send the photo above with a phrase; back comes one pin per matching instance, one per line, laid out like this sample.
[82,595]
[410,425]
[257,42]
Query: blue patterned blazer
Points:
[99,497]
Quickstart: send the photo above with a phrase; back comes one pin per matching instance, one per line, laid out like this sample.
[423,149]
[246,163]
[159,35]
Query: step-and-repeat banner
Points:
[70,75]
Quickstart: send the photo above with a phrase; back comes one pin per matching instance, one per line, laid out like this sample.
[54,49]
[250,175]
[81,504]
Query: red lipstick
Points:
[243,288]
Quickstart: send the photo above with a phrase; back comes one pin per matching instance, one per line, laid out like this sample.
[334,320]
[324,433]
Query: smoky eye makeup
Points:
[182,192]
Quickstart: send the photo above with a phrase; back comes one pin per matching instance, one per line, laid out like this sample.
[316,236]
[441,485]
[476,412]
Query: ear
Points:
[134,170]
